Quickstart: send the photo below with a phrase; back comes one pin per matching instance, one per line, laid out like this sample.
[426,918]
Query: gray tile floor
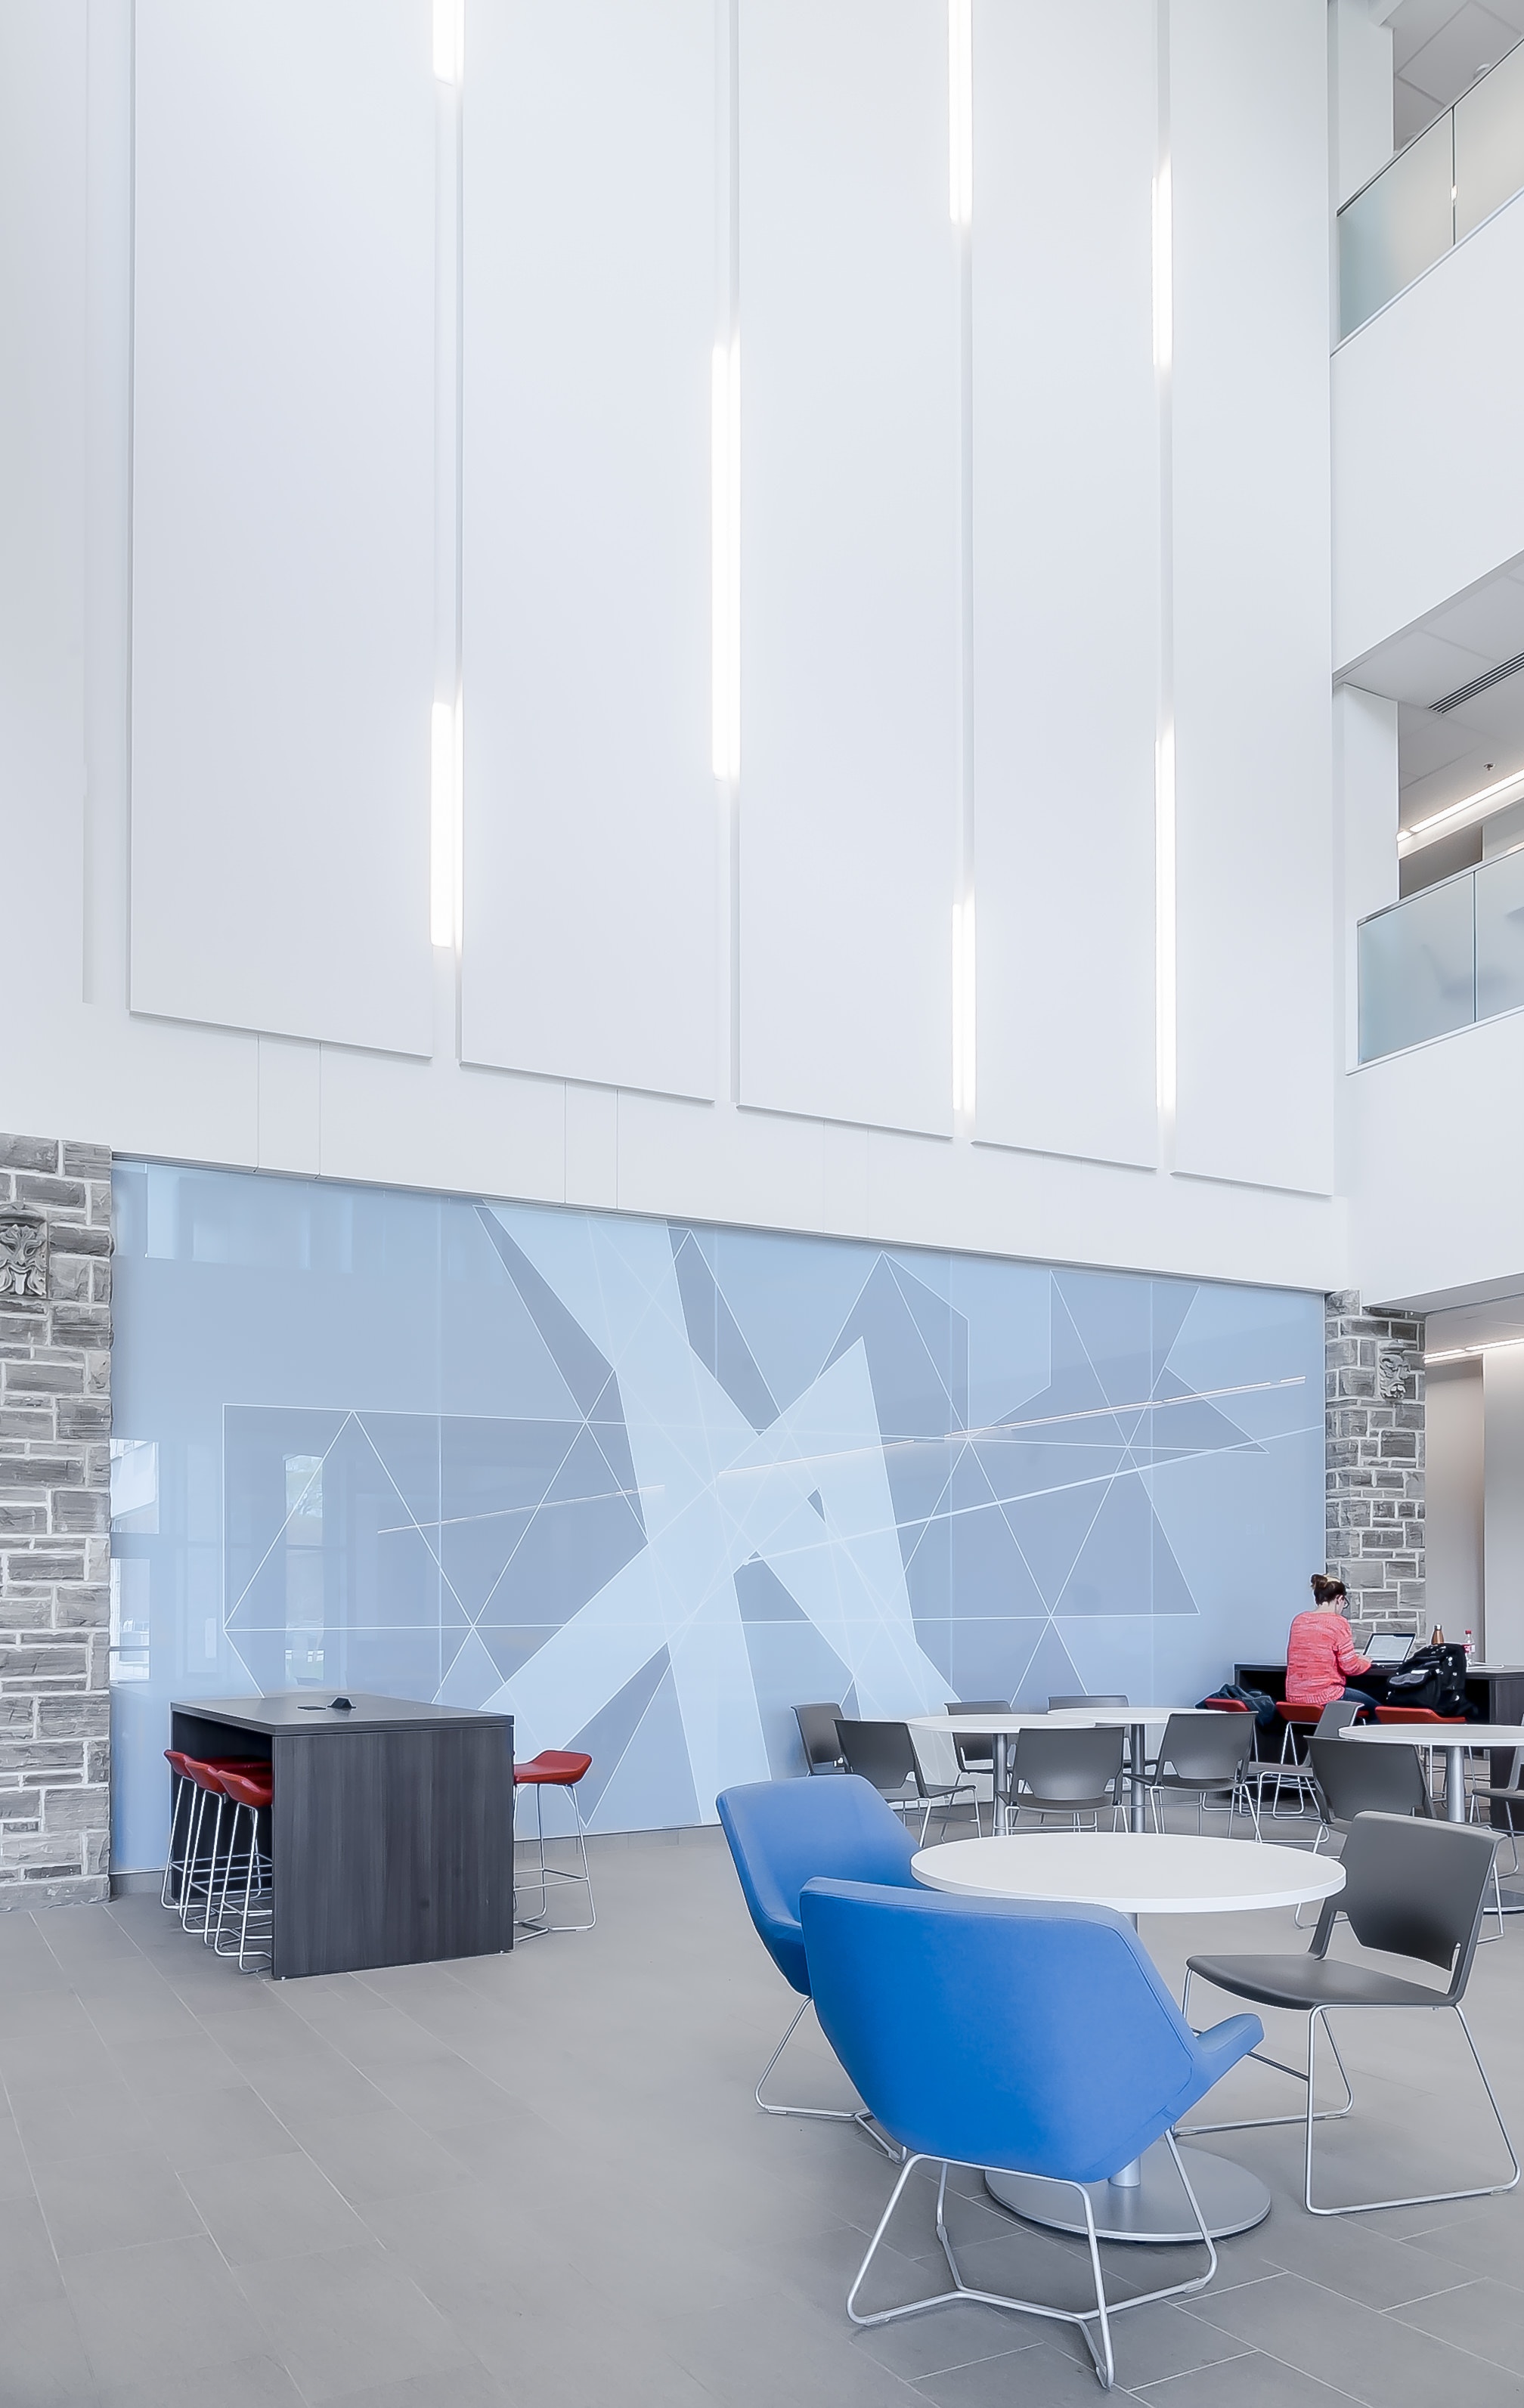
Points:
[542,2177]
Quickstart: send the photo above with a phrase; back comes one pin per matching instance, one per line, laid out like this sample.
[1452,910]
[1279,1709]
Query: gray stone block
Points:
[28,1152]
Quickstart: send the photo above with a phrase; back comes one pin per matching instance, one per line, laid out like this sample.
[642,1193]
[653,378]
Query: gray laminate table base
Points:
[1155,2209]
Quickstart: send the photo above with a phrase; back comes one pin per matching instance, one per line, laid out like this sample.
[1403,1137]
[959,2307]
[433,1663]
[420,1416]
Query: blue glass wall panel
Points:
[649,1484]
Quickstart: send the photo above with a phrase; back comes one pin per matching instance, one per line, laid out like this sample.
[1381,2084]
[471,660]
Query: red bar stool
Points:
[205,1776]
[250,1793]
[555,1769]
[182,1793]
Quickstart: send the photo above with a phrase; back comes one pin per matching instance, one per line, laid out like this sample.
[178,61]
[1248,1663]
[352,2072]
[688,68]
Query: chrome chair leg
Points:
[861,2117]
[185,1795]
[1420,2199]
[1098,2343]
[539,1925]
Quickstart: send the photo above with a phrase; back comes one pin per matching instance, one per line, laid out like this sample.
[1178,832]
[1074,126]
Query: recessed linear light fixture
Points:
[449,39]
[963,1007]
[1454,815]
[724,566]
[1460,1354]
[960,110]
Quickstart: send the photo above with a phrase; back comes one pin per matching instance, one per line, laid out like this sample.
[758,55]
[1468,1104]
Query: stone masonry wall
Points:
[1373,1451]
[55,1426]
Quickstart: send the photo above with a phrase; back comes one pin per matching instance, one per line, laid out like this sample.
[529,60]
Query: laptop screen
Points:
[1388,1647]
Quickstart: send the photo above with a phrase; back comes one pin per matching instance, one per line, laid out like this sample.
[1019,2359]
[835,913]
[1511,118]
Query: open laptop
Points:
[1389,1648]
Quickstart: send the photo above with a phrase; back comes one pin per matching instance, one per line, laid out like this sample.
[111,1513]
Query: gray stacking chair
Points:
[1351,1781]
[977,1755]
[1209,1756]
[1413,1887]
[817,1728]
[885,1754]
[1510,1797]
[1071,1772]
[1336,1716]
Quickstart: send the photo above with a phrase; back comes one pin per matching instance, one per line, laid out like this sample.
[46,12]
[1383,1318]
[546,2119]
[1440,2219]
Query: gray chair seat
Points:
[1303,1981]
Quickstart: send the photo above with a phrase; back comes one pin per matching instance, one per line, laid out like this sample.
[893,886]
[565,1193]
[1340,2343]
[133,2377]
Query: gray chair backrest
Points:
[1355,1779]
[1207,1747]
[882,1753]
[1066,1765]
[976,1755]
[1413,1888]
[817,1728]
[1337,1715]
[1064,1705]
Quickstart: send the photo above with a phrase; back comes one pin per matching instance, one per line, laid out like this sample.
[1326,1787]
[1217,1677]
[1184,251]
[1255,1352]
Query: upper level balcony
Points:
[1438,190]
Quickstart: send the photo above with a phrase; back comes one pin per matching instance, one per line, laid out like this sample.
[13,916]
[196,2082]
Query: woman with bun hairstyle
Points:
[1320,1651]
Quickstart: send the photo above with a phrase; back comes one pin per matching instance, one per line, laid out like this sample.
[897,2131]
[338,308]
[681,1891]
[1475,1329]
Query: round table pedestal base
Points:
[1155,2209]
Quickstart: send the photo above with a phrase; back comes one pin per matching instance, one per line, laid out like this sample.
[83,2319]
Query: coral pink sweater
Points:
[1320,1656]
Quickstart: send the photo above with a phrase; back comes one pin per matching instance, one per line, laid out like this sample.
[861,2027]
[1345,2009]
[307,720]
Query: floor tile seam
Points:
[1299,2374]
[1477,2357]
[1234,2358]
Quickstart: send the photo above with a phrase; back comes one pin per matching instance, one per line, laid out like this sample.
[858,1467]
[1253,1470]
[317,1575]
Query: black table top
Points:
[311,1709]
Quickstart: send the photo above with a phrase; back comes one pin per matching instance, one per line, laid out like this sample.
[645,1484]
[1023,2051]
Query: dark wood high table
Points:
[392,1831]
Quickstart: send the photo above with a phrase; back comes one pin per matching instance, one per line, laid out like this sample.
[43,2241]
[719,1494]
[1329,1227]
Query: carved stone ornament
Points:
[1391,1378]
[23,1253]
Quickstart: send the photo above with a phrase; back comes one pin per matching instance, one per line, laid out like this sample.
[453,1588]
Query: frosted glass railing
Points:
[1457,172]
[1450,955]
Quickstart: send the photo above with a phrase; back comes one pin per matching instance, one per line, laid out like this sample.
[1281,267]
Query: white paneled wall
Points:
[1066,575]
[850,658]
[1249,117]
[283,516]
[400,371]
[591,817]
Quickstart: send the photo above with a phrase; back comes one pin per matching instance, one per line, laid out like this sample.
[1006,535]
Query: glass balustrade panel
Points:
[1489,143]
[1500,935]
[1397,226]
[1417,969]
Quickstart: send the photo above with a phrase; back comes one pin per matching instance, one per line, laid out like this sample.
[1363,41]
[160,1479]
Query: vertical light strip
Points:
[1164,931]
[443,820]
[724,510]
[960,110]
[449,39]
[1163,270]
[1166,966]
[964,1024]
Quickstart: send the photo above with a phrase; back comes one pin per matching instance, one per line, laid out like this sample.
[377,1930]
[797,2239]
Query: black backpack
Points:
[1434,1677]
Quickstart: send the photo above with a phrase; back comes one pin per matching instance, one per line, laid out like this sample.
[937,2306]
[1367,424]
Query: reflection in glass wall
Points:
[648,1485]
[1417,975]
[1500,935]
[1397,227]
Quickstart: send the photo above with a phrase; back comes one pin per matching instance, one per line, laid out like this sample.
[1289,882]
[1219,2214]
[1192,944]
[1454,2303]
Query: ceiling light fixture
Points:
[1421,829]
[1488,1346]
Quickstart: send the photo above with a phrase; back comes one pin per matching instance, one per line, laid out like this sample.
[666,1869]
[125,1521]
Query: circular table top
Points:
[1137,1873]
[1437,1734]
[1066,1718]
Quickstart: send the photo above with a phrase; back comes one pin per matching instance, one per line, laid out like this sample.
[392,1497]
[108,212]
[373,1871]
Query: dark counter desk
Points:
[392,1831]
[1496,1690]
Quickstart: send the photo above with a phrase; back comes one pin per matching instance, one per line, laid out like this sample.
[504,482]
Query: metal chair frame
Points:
[1036,1757]
[185,1792]
[934,1798]
[977,1757]
[258,1864]
[861,2117]
[537,1925]
[1318,2017]
[1099,2315]
[1233,1780]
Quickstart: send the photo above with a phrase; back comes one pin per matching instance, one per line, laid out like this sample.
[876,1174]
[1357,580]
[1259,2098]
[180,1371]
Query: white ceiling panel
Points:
[1420,666]
[1449,63]
[1416,22]
[1489,622]
[1429,741]
[1498,715]
[1460,779]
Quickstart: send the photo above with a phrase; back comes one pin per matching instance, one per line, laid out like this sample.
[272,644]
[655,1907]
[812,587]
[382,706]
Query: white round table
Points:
[1136,1874]
[1136,1721]
[1451,1739]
